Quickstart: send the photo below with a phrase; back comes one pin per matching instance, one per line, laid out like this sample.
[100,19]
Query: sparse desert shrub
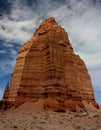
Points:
[78,127]
[77,115]
[34,117]
[92,129]
[15,126]
[96,115]
[42,122]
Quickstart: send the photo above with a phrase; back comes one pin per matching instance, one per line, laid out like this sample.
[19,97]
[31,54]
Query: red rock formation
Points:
[5,104]
[47,68]
[6,93]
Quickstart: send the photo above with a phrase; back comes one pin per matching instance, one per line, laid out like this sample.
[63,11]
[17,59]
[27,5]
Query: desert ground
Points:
[29,117]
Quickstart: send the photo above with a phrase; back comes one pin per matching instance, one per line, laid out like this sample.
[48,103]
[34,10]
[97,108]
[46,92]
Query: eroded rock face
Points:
[6,93]
[47,68]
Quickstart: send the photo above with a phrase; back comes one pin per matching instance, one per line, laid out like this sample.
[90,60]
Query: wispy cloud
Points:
[96,80]
[2,51]
[16,31]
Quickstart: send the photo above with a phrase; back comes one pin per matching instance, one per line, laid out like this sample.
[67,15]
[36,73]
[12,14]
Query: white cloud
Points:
[2,51]
[8,45]
[16,31]
[96,78]
[8,61]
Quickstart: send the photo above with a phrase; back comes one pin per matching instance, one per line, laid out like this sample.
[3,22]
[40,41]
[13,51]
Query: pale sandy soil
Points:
[27,117]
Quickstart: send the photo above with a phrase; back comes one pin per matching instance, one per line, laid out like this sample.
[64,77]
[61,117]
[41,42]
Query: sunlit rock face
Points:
[47,68]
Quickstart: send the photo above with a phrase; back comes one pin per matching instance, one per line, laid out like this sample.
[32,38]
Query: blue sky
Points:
[80,18]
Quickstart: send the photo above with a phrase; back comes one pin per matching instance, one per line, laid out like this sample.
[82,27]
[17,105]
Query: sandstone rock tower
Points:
[47,68]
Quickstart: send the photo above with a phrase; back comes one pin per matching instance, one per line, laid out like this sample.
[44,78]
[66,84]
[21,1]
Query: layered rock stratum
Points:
[48,69]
